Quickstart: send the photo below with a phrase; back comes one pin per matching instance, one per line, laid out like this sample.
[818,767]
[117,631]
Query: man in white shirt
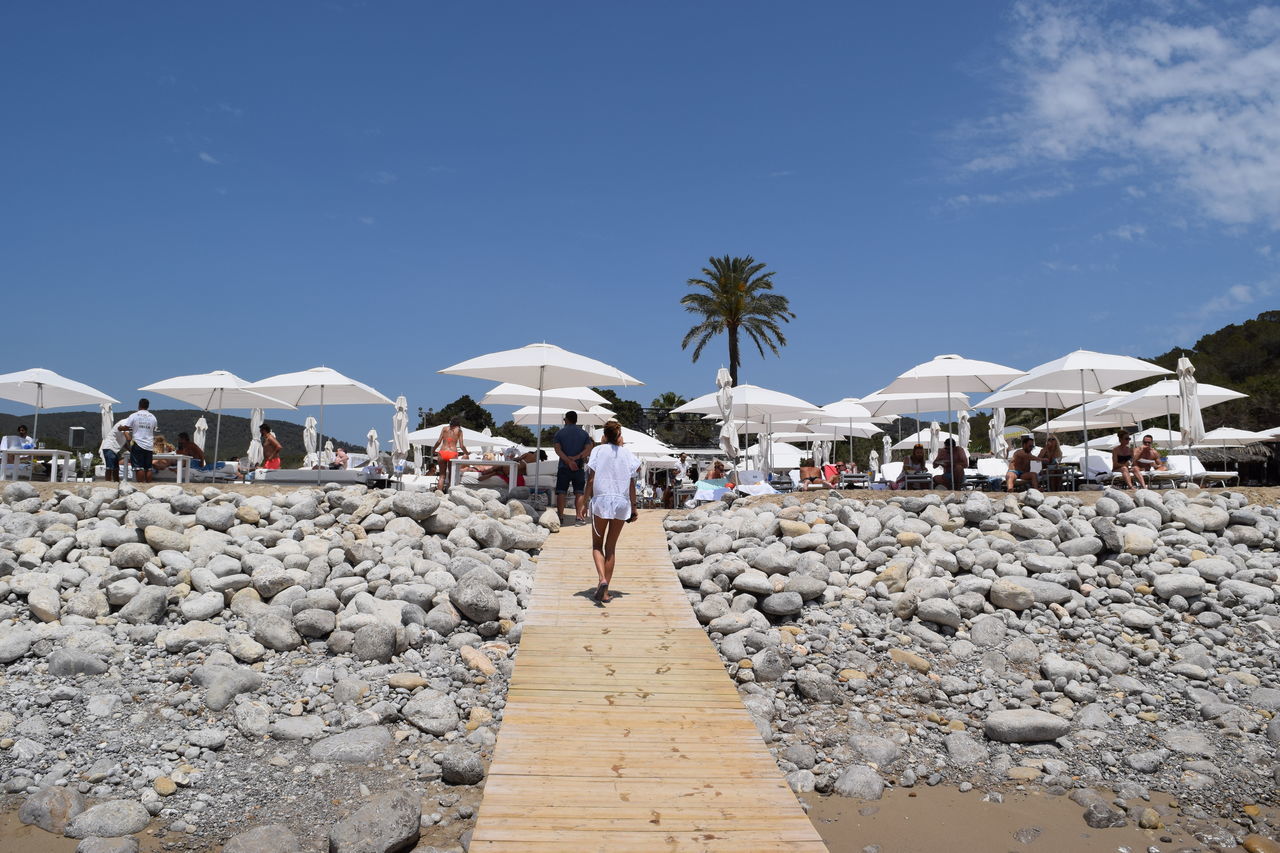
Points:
[141,429]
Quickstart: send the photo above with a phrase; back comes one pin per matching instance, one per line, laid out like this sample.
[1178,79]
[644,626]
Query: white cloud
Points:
[1128,233]
[366,220]
[1173,89]
[206,157]
[963,200]
[1237,297]
[785,173]
[384,178]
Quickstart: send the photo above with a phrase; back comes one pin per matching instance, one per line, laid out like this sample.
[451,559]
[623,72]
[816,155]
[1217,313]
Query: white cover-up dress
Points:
[613,468]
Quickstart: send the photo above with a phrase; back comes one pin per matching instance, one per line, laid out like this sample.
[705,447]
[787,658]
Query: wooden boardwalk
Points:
[622,730]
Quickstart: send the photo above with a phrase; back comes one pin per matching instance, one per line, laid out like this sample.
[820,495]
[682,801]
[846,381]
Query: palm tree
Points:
[736,296]
[668,400]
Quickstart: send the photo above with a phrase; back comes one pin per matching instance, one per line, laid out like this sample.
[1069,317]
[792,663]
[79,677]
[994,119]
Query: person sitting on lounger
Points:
[187,447]
[916,463]
[340,460]
[161,446]
[1050,457]
[716,471]
[952,460]
[1122,462]
[522,461]
[1147,459]
[1020,467]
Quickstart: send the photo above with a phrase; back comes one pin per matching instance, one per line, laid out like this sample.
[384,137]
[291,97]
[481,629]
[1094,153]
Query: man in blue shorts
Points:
[573,446]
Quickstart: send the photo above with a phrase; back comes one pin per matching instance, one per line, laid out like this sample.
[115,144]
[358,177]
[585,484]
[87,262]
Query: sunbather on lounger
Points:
[1147,459]
[1020,467]
[916,463]
[1122,462]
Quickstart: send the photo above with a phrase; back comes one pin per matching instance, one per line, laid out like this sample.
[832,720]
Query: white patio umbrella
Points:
[44,389]
[995,435]
[751,401]
[873,461]
[510,394]
[953,372]
[1163,397]
[533,416]
[541,366]
[883,405]
[371,446]
[848,411]
[309,438]
[201,433]
[430,435]
[400,434]
[924,437]
[724,398]
[255,454]
[1228,437]
[1035,398]
[1092,412]
[319,386]
[215,391]
[1091,373]
[965,432]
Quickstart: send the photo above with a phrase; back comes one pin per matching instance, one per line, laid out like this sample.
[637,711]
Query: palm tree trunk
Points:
[733,354]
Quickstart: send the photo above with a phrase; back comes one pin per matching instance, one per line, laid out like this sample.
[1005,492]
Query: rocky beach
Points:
[1119,653]
[318,669]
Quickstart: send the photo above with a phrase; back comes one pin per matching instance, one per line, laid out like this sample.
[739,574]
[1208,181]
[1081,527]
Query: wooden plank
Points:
[622,730]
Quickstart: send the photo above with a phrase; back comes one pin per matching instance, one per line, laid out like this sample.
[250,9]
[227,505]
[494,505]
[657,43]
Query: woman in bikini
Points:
[611,496]
[1122,461]
[1050,456]
[916,463]
[446,448]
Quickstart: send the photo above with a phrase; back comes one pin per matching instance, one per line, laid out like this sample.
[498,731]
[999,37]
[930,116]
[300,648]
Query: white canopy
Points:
[531,416]
[1087,372]
[1161,398]
[749,401]
[779,456]
[541,366]
[470,438]
[319,386]
[923,437]
[1229,437]
[883,403]
[642,444]
[510,394]
[1034,398]
[952,373]
[44,389]
[1074,419]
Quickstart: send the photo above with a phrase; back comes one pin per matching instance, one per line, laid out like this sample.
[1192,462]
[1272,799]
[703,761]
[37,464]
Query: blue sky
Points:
[389,188]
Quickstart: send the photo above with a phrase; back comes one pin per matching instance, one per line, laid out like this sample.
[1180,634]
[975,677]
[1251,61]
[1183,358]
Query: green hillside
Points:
[54,427]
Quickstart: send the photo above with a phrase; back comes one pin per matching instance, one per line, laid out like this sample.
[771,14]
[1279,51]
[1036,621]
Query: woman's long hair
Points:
[613,433]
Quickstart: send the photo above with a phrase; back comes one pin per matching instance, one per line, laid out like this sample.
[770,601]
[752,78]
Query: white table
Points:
[180,469]
[456,465]
[65,458]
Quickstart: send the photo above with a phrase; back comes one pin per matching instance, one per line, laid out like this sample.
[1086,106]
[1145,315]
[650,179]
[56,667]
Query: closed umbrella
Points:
[1091,373]
[107,424]
[255,454]
[400,434]
[419,463]
[964,430]
[215,391]
[201,433]
[934,443]
[372,446]
[319,386]
[873,462]
[44,389]
[327,456]
[953,373]
[887,443]
[724,398]
[1189,417]
[309,437]
[995,435]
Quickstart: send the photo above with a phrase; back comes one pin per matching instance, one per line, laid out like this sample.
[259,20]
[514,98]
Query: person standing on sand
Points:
[611,494]
[270,448]
[140,427]
[447,448]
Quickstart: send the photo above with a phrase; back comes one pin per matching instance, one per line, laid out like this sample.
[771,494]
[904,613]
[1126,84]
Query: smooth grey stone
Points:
[461,766]
[51,808]
[358,746]
[388,823]
[431,711]
[65,662]
[109,820]
[859,781]
[1025,725]
[271,838]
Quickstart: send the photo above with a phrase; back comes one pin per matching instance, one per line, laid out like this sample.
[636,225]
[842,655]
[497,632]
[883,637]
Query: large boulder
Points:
[111,819]
[388,823]
[475,601]
[431,711]
[1025,725]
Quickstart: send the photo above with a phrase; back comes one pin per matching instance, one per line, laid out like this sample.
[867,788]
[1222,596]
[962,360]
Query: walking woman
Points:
[611,496]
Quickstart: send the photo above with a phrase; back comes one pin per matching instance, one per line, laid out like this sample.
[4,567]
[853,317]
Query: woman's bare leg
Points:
[611,551]
[599,529]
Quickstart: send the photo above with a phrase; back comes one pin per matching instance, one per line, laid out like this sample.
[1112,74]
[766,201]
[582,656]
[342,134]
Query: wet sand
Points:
[941,819]
[18,838]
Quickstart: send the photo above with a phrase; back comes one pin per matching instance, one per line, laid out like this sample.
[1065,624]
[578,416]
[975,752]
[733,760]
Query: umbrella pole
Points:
[542,370]
[951,468]
[35,429]
[320,437]
[1084,419]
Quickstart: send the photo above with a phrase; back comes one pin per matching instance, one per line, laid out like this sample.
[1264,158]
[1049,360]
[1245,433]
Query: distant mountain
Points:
[1244,357]
[55,426]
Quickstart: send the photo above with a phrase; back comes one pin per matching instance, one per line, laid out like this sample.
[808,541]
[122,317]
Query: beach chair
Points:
[993,471]
[889,472]
[1201,477]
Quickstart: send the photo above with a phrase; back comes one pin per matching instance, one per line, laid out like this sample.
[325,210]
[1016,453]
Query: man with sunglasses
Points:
[1147,458]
